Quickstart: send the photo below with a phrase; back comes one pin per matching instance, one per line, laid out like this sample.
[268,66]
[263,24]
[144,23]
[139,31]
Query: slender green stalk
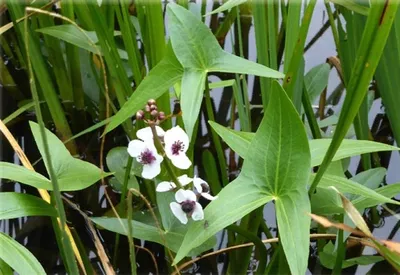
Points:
[258,244]
[242,94]
[132,256]
[264,227]
[67,248]
[129,37]
[308,110]
[341,250]
[215,137]
[74,65]
[122,204]
[296,57]
[331,18]
[262,45]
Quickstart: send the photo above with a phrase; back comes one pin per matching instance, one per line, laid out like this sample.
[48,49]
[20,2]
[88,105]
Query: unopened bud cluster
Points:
[151,112]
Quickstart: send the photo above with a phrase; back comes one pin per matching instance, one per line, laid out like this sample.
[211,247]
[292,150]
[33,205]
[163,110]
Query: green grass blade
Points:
[43,77]
[387,79]
[374,38]
[294,49]
[73,60]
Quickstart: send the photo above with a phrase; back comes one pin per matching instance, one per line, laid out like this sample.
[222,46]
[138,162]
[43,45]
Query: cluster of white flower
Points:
[175,143]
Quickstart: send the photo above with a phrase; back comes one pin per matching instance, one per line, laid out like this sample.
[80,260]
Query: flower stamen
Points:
[177,147]
[146,157]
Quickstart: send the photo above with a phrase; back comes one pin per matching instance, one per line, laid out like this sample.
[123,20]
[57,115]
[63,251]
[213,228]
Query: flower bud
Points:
[140,115]
[151,102]
[154,113]
[147,108]
[153,107]
[161,116]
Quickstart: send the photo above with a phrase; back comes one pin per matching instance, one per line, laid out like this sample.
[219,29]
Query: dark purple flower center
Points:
[147,157]
[188,206]
[177,147]
[205,188]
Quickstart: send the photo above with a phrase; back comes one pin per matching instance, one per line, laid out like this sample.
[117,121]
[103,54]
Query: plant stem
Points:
[340,250]
[215,138]
[122,202]
[132,256]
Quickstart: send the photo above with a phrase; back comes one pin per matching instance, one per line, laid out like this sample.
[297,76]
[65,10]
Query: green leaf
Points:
[348,186]
[353,5]
[146,232]
[240,141]
[371,178]
[72,174]
[198,51]
[15,205]
[316,80]
[328,258]
[163,76]
[348,148]
[20,174]
[265,177]
[116,160]
[388,191]
[326,202]
[18,257]
[71,34]
[387,80]
[5,269]
[193,81]
[227,6]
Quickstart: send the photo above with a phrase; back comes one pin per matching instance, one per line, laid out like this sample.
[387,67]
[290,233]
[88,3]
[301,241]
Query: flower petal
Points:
[180,161]
[184,195]
[178,212]
[197,182]
[146,133]
[208,196]
[184,180]
[150,171]
[198,213]
[176,134]
[135,147]
[165,186]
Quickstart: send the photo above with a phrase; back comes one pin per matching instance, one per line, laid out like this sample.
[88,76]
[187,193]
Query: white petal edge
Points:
[180,161]
[185,195]
[150,171]
[146,133]
[135,147]
[178,212]
[184,180]
[165,186]
[197,184]
[198,213]
[208,196]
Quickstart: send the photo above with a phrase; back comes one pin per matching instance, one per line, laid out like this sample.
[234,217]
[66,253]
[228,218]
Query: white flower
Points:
[186,206]
[203,188]
[146,154]
[170,185]
[176,144]
[146,134]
